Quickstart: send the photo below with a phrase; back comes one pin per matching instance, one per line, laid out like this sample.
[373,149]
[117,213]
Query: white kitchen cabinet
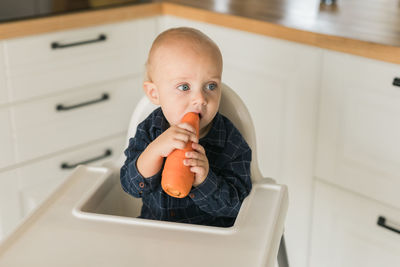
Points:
[41,129]
[345,232]
[359,129]
[7,149]
[65,106]
[3,87]
[278,81]
[35,69]
[357,164]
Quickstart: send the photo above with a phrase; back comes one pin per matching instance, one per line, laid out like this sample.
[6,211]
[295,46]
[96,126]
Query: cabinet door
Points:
[7,154]
[3,87]
[37,69]
[359,129]
[345,230]
[278,81]
[42,129]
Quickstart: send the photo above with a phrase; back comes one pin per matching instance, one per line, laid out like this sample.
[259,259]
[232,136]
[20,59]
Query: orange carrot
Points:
[176,178]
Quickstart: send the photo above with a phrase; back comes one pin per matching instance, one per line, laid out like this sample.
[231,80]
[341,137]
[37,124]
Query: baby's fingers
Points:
[199,171]
[178,144]
[187,126]
[194,155]
[199,148]
[183,136]
[192,131]
[194,162]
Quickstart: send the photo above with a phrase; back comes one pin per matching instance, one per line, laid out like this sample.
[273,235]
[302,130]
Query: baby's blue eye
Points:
[183,87]
[211,86]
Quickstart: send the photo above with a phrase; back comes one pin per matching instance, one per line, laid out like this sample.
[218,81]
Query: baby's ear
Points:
[150,89]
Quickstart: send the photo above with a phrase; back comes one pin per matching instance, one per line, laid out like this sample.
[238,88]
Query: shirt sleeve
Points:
[132,181]
[222,195]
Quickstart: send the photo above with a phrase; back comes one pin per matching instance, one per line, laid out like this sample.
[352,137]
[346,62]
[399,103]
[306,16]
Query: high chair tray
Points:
[65,231]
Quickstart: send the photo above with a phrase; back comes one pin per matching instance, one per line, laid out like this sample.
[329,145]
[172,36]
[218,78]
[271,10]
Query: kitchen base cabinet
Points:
[63,102]
[358,143]
[278,81]
[345,232]
[358,150]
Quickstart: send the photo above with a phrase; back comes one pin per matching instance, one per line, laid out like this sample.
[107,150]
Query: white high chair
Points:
[90,221]
[233,108]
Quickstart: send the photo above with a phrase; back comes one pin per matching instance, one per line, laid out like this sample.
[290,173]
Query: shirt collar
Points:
[216,136]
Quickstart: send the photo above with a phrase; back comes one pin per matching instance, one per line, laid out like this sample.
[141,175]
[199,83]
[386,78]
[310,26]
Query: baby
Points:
[184,70]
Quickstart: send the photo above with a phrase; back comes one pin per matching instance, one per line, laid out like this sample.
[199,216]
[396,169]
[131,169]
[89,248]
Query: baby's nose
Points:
[199,99]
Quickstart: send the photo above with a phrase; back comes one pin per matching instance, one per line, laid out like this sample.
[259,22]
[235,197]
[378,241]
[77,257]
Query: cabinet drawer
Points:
[41,129]
[360,72]
[21,190]
[3,88]
[345,231]
[7,154]
[38,180]
[36,69]
[358,138]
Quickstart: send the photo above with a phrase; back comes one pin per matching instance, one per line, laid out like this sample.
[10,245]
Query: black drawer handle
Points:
[104,97]
[57,45]
[106,154]
[382,222]
[396,81]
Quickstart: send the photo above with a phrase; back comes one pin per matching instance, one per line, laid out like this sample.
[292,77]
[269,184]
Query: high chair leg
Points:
[282,255]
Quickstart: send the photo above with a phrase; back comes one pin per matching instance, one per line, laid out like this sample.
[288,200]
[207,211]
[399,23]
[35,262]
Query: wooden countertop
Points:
[367,28]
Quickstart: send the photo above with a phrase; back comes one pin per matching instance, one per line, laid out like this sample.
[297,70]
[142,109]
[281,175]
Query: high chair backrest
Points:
[231,106]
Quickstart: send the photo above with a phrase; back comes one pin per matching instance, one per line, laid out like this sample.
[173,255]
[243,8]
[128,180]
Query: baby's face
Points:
[188,80]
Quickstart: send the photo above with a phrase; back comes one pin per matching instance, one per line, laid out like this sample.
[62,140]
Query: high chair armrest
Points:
[262,215]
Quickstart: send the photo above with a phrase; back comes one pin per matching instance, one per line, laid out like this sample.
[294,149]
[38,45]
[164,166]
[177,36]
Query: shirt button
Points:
[191,195]
[141,184]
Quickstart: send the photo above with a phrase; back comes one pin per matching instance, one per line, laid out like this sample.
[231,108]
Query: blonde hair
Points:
[195,37]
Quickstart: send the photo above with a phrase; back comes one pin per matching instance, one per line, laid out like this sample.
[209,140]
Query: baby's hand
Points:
[198,161]
[175,137]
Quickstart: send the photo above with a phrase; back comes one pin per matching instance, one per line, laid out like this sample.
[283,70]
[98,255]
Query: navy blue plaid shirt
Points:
[214,202]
